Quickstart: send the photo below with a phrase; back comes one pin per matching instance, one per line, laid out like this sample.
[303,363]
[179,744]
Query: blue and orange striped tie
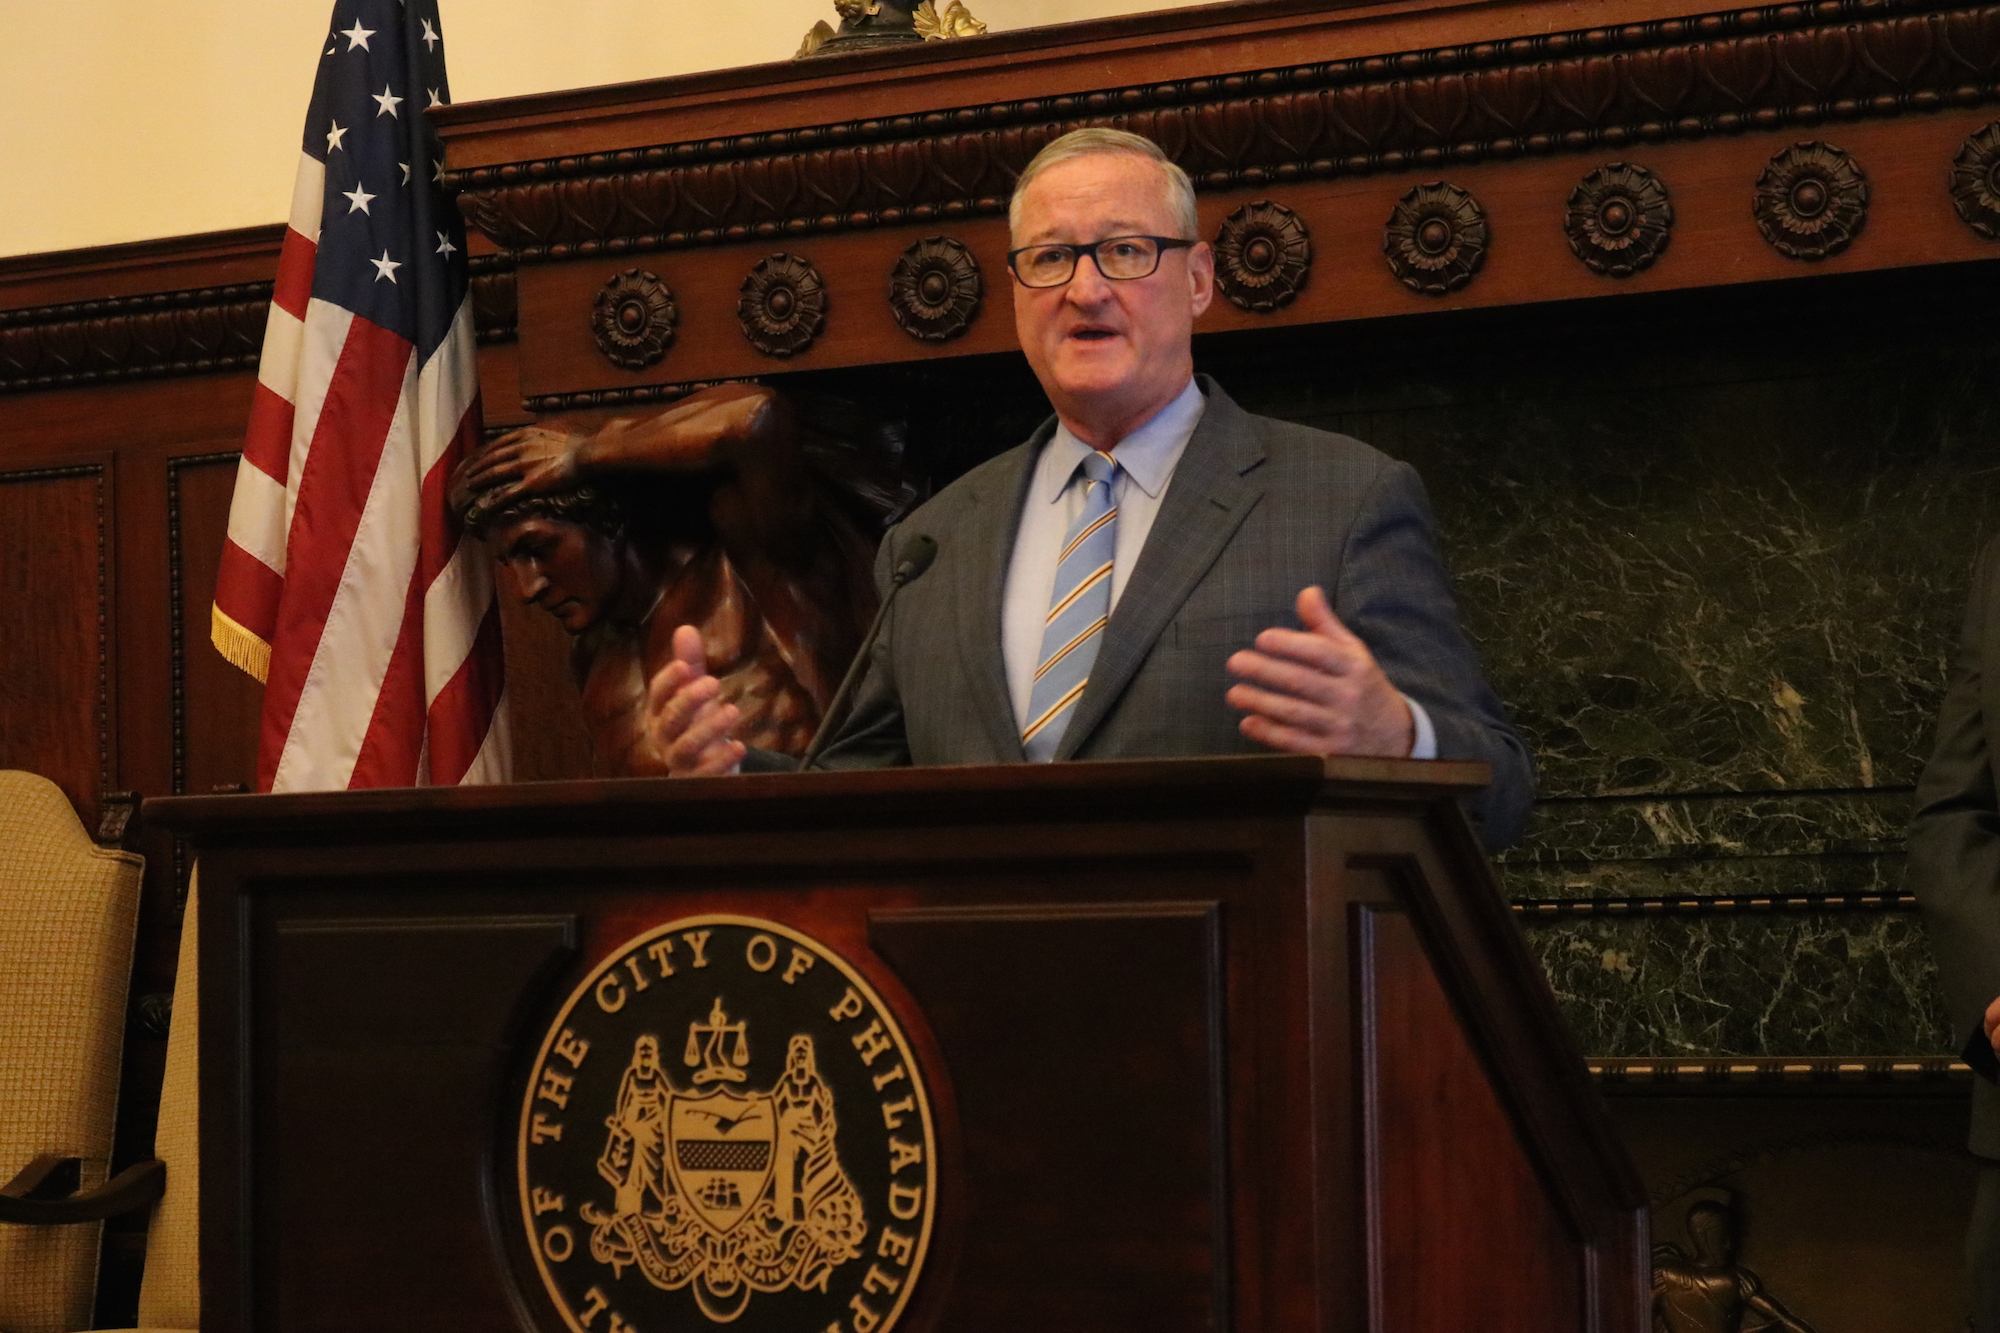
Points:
[1079,606]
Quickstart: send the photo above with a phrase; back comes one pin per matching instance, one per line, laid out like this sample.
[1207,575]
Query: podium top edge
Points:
[1156,788]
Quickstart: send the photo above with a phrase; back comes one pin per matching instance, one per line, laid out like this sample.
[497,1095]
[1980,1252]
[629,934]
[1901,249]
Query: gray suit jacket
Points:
[1954,858]
[1257,510]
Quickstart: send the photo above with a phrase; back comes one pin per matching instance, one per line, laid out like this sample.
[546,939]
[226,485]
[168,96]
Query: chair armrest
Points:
[43,1194]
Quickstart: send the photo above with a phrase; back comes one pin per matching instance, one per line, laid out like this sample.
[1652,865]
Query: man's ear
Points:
[1201,275]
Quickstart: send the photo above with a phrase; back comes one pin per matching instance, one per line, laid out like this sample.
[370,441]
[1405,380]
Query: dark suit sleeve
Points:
[1954,854]
[873,735]
[1394,594]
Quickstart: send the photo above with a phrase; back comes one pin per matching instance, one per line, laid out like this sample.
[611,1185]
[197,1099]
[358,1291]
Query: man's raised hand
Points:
[1319,690]
[687,720]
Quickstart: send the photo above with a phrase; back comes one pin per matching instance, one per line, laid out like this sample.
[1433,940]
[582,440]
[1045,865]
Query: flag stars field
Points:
[385,267]
[388,101]
[334,136]
[357,199]
[357,36]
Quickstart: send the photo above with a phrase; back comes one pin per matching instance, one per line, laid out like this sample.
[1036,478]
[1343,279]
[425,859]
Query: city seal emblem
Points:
[725,1125]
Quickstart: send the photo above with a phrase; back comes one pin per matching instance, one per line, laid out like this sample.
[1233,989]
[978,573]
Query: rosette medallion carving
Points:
[1812,201]
[1619,220]
[1436,239]
[935,289]
[1263,255]
[633,319]
[783,305]
[1975,182]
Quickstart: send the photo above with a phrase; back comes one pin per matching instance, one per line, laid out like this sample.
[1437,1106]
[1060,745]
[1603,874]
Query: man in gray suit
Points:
[1096,588]
[1954,869]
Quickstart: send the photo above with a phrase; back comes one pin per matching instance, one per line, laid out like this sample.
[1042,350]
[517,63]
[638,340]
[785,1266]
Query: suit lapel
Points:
[981,587]
[1207,500]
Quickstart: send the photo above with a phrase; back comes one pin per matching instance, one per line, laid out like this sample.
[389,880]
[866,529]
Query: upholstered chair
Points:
[68,912]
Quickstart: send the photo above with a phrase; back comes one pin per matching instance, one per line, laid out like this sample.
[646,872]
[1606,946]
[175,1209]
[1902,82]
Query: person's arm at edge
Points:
[1954,844]
[1395,594]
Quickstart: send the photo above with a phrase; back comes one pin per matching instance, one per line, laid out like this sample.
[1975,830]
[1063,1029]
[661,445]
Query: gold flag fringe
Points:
[243,649]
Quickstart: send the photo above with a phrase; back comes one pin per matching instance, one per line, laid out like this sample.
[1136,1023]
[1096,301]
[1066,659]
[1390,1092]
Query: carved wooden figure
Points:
[731,510]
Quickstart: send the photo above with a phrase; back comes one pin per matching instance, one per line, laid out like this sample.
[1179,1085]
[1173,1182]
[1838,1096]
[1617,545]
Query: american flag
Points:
[346,586]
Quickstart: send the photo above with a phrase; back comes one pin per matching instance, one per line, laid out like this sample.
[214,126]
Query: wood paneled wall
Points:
[126,376]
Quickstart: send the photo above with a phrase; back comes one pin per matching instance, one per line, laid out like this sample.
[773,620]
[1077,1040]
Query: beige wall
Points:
[122,120]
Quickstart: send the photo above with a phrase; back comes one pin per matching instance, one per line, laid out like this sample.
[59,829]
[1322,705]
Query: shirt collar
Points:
[1147,455]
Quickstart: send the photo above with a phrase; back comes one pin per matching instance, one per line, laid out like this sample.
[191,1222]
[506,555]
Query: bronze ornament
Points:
[954,20]
[1975,182]
[1619,220]
[1263,256]
[1812,201]
[868,24]
[935,289]
[633,319]
[1436,239]
[783,305]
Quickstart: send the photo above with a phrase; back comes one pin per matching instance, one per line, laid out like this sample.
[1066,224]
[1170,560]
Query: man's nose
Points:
[1088,286]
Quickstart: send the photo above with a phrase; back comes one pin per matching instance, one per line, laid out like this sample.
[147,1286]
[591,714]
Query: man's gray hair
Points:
[1084,143]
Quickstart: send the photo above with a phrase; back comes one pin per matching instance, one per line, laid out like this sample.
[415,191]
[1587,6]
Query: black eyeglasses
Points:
[1120,258]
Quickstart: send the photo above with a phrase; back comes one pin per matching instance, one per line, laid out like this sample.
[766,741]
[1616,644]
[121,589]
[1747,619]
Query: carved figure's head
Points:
[646,1054]
[1713,1234]
[800,1062]
[563,552]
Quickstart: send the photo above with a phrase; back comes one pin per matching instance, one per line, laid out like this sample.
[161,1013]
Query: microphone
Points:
[918,553]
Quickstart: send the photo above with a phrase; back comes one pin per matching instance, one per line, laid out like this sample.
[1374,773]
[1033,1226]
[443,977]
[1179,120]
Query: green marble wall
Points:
[1713,548]
[1715,559]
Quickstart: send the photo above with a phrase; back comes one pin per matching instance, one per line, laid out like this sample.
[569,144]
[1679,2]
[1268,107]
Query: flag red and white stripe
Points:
[346,586]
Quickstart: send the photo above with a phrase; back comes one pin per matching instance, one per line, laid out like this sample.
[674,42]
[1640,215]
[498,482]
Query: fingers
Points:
[688,649]
[1331,682]
[1993,1017]
[705,748]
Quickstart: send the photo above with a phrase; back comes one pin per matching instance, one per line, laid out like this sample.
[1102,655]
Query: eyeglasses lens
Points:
[1128,257]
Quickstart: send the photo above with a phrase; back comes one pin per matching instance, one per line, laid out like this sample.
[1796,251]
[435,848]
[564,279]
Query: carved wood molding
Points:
[495,308]
[1812,201]
[935,289]
[1579,91]
[782,306]
[1436,239]
[1975,182]
[1619,220]
[639,395]
[633,319]
[194,332]
[1263,256]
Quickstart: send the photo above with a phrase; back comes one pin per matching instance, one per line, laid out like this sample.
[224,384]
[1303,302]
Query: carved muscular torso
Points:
[775,673]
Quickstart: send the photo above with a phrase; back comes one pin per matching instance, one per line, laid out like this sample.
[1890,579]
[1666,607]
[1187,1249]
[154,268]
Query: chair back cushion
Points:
[68,910]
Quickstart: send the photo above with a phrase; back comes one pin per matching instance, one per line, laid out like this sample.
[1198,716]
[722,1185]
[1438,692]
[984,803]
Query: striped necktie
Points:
[1079,605]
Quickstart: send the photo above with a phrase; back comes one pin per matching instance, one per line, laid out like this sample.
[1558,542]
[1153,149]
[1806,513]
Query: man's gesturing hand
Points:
[1993,1025]
[1319,691]
[687,720]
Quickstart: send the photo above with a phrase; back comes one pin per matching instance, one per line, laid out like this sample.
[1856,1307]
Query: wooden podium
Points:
[1205,1044]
